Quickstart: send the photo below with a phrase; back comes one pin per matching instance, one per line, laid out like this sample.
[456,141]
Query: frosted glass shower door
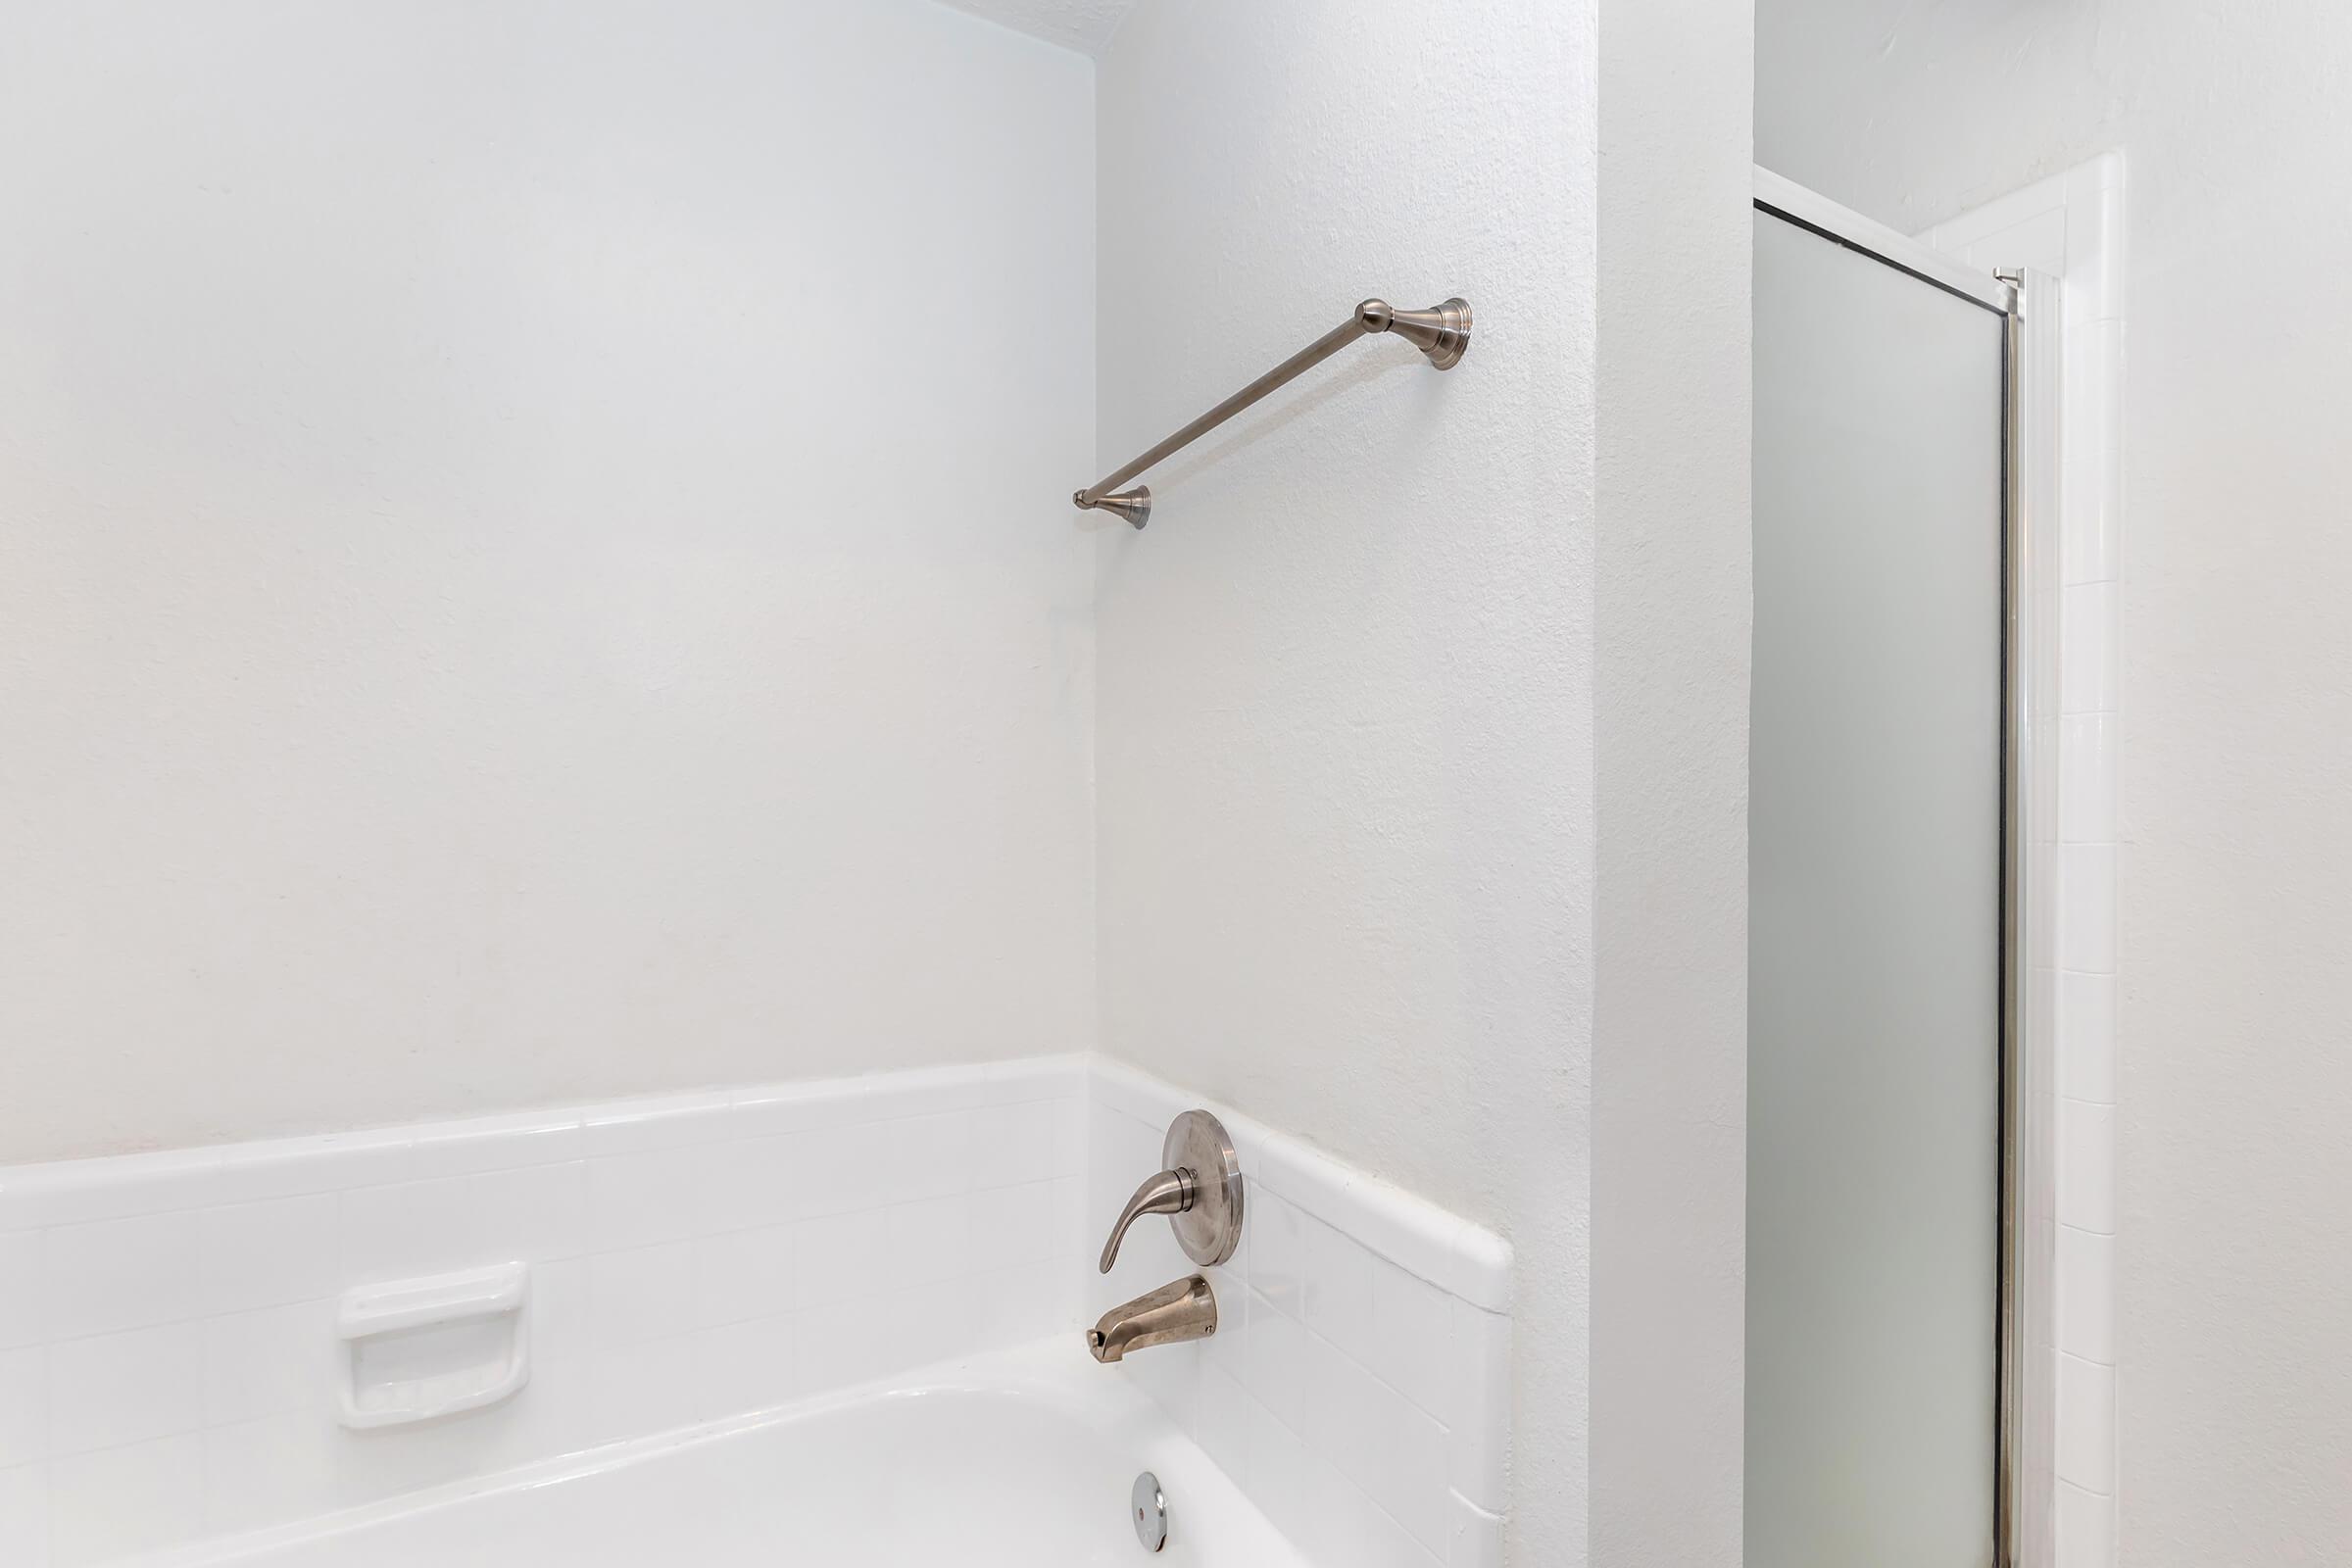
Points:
[1874,914]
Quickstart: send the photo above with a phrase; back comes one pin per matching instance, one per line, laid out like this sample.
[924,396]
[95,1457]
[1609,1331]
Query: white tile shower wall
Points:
[168,1372]
[2072,226]
[1357,1387]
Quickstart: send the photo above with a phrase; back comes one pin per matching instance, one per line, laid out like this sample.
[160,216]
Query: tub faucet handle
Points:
[1200,1190]
[1168,1192]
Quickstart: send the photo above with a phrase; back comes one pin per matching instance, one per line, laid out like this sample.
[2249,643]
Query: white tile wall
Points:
[1358,1389]
[2071,227]
[24,1513]
[167,1364]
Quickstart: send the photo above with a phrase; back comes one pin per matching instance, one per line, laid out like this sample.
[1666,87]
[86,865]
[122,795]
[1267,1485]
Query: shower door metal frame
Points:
[2029,305]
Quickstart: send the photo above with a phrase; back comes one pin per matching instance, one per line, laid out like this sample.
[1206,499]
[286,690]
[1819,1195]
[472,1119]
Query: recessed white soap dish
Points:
[421,1349]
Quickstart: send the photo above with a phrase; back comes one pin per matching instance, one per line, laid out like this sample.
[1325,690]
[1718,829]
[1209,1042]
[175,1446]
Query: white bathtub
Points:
[1023,1456]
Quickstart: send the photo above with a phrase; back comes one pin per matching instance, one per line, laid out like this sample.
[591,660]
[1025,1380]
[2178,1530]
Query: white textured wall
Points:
[2235,868]
[534,555]
[1345,746]
[1673,588]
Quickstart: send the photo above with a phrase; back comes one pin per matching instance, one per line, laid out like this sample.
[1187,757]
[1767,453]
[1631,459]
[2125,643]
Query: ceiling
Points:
[1085,25]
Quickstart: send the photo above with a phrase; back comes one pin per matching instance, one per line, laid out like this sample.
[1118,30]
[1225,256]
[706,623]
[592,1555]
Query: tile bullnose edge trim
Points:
[101,1187]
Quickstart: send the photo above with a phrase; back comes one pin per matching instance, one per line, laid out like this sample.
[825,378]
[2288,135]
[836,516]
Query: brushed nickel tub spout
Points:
[1184,1311]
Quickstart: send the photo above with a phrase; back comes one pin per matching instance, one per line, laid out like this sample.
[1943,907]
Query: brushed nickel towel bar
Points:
[1441,333]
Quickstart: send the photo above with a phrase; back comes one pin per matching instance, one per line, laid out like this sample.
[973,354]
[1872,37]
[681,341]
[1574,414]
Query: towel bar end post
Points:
[1133,505]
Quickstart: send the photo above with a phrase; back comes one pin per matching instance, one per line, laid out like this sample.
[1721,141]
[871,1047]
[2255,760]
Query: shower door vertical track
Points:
[2024,1479]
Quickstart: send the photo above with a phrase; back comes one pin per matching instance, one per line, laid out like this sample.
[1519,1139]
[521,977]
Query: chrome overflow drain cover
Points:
[1151,1512]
